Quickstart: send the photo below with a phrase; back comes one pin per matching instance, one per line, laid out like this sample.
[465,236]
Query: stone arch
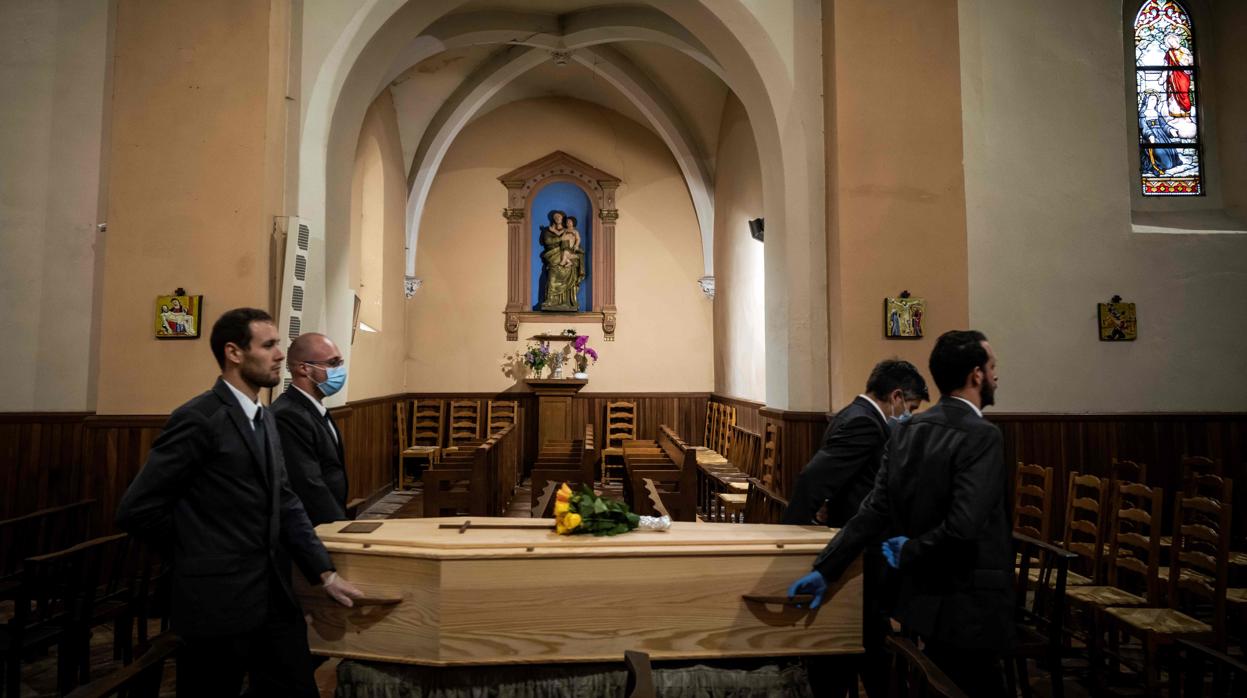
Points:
[465,103]
[784,105]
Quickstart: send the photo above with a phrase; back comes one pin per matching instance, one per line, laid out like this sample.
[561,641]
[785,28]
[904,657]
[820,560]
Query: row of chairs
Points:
[1117,581]
[425,433]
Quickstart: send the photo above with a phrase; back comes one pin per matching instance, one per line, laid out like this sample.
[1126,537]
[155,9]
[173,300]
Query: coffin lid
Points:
[533,535]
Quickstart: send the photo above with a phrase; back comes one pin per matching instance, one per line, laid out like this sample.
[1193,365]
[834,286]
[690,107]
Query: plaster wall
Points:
[54,64]
[456,340]
[192,189]
[897,203]
[377,358]
[739,308]
[1049,225]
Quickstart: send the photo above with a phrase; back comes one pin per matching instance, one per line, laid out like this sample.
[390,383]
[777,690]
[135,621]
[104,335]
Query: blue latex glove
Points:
[892,551]
[812,583]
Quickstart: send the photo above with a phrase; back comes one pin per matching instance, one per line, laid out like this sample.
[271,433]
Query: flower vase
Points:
[580,375]
[556,371]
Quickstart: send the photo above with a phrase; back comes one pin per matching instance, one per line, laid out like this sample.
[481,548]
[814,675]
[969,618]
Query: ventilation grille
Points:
[305,235]
[296,327]
[296,299]
[300,267]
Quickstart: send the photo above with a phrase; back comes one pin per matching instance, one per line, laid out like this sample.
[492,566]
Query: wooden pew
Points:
[670,465]
[571,462]
[38,533]
[477,481]
[762,505]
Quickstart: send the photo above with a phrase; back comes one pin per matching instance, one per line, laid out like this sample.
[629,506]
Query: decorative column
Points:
[517,263]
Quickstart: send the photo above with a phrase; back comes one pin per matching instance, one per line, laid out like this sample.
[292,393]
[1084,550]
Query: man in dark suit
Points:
[215,496]
[310,439]
[842,472]
[829,491]
[942,496]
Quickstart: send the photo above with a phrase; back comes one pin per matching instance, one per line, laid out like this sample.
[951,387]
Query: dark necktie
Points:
[333,428]
[261,437]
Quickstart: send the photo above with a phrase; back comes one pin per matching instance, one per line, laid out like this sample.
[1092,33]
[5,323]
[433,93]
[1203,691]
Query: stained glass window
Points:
[1165,80]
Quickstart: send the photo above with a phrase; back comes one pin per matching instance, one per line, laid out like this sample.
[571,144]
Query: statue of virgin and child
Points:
[562,263]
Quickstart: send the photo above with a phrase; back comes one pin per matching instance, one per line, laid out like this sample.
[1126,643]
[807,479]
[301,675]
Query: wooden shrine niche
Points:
[557,273]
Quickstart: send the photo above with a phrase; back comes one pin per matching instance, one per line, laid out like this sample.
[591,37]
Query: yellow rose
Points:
[571,521]
[561,508]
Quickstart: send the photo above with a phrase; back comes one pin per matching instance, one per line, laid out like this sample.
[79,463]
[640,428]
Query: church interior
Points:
[650,248]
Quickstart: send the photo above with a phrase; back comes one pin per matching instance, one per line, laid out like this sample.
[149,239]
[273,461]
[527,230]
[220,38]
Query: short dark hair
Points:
[956,354]
[235,326]
[890,374]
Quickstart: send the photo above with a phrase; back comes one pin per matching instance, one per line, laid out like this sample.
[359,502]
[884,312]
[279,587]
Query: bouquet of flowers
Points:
[583,353]
[585,512]
[537,356]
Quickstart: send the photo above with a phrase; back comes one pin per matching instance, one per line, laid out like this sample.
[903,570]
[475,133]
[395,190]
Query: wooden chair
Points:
[1133,558]
[426,431]
[1085,526]
[139,679]
[1032,500]
[620,427]
[1199,465]
[916,676]
[771,437]
[1127,471]
[1199,570]
[465,422]
[502,413]
[1039,625]
[728,485]
[720,419]
[1187,672]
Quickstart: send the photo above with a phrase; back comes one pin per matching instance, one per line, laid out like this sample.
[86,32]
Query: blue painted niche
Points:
[572,201]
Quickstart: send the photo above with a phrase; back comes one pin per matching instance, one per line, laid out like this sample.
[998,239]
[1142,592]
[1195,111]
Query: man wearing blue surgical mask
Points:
[309,437]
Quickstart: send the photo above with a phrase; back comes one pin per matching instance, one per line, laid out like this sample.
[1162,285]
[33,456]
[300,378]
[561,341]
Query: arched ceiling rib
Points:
[585,36]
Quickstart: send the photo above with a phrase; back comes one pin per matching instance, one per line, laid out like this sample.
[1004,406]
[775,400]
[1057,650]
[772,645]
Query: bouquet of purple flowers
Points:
[537,356]
[584,352]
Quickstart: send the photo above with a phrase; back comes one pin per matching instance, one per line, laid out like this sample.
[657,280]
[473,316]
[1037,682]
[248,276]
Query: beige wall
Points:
[898,201]
[376,363]
[739,322]
[192,190]
[456,338]
[54,61]
[1049,226]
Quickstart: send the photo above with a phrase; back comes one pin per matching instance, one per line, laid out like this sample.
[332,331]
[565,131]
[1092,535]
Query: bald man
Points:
[310,439]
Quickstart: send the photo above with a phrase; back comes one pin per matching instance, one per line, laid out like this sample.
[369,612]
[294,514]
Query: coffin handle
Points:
[781,599]
[373,600]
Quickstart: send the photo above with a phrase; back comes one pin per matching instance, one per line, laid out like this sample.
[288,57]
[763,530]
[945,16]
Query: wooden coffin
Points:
[493,596]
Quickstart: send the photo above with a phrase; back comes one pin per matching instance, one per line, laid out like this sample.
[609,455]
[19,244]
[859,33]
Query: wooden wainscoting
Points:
[40,461]
[1089,443]
[370,444]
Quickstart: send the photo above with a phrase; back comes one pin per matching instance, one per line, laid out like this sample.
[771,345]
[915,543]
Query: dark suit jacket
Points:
[844,468]
[314,459]
[207,497]
[943,485]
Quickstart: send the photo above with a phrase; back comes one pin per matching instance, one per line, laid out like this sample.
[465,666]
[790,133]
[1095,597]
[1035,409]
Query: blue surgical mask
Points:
[335,378]
[897,420]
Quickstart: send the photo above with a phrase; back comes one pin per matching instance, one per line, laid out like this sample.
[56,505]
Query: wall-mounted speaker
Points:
[756,228]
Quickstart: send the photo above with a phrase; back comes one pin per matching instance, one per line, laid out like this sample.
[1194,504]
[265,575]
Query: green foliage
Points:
[600,516]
